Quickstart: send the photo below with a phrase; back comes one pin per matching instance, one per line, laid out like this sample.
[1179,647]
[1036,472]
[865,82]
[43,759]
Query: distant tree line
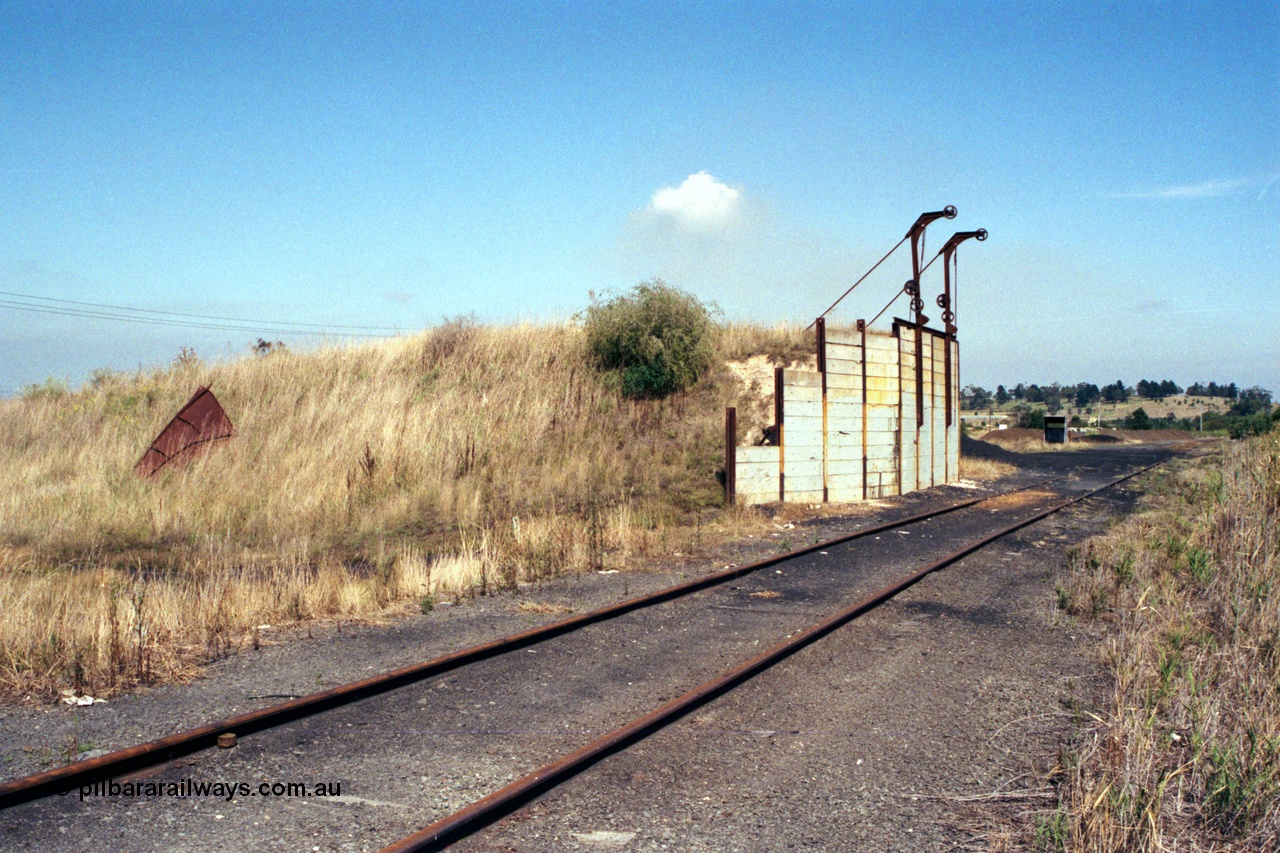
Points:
[1213,389]
[1084,394]
[1151,390]
[1250,413]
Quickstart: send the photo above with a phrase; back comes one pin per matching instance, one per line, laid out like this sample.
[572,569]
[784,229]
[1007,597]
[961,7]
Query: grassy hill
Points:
[1176,407]
[462,459]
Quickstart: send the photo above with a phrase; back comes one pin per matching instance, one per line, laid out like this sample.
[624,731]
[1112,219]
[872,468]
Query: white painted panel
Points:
[843,368]
[808,459]
[802,483]
[805,416]
[843,415]
[838,440]
[882,385]
[756,470]
[844,430]
[843,352]
[804,432]
[953,452]
[939,412]
[909,459]
[883,343]
[885,467]
[844,494]
[886,369]
[758,453]
[846,420]
[846,383]
[799,394]
[873,486]
[844,468]
[802,378]
[843,336]
[883,419]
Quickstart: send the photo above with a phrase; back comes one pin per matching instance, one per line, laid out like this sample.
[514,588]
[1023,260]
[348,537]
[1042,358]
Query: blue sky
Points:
[389,165]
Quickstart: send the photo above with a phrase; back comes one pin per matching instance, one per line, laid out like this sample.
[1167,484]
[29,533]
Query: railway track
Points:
[164,750]
[464,822]
[468,820]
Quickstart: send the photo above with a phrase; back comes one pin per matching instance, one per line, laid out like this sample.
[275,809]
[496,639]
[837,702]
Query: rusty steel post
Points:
[730,456]
[782,447]
[862,330]
[821,324]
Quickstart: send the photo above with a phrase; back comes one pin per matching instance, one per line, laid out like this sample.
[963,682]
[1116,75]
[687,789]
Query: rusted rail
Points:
[483,812]
[166,749]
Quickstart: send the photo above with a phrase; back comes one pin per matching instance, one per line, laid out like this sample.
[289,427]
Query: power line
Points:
[195,316]
[146,316]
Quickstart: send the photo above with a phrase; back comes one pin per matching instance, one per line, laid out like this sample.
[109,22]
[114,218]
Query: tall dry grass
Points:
[463,459]
[977,468]
[1187,756]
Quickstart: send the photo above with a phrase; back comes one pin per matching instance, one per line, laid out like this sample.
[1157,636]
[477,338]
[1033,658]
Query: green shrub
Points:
[52,388]
[655,339]
[1258,423]
[1138,420]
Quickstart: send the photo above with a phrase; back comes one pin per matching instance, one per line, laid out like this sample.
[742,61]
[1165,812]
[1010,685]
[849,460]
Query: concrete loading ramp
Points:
[870,423]
[879,417]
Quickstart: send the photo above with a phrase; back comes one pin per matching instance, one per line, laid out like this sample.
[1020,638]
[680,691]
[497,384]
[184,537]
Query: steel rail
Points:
[483,812]
[162,750]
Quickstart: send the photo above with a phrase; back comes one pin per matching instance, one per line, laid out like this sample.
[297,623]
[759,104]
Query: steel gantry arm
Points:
[912,289]
[948,252]
[947,305]
[915,234]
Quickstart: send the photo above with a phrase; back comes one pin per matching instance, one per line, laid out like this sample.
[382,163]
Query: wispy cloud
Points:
[1204,189]
[1271,180]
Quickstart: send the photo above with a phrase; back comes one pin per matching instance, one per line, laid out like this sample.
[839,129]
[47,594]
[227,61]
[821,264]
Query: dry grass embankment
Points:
[1187,755]
[459,460]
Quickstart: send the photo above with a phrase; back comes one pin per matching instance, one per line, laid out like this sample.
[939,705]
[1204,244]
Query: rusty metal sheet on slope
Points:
[196,425]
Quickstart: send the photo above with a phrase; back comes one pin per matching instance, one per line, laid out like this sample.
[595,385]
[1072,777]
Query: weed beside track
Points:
[1187,754]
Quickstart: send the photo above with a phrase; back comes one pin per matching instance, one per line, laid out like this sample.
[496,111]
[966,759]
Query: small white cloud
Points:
[701,201]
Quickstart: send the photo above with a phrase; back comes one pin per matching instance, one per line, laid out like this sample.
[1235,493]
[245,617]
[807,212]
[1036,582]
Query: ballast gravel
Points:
[889,734]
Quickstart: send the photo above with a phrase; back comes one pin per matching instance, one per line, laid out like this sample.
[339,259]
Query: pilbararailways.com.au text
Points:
[224,790]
